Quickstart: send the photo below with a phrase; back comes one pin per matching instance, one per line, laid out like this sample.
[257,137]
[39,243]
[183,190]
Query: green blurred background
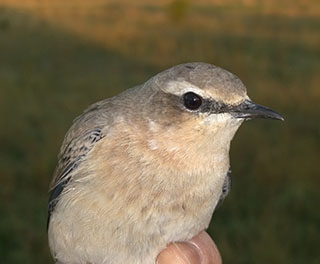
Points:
[57,57]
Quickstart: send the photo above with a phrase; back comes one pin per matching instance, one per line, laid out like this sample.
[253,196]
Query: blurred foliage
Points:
[57,57]
[178,9]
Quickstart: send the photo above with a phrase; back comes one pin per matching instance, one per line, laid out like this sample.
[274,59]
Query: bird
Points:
[147,167]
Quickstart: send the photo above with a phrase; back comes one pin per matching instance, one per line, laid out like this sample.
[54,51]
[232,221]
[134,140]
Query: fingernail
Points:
[182,252]
[207,249]
[189,251]
[197,249]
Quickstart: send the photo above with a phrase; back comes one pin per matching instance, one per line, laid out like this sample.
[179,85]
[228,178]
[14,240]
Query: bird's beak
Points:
[249,109]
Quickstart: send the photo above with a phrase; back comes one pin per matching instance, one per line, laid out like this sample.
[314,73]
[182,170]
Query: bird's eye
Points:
[192,101]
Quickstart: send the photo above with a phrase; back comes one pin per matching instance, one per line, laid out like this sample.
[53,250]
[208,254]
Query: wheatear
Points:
[147,167]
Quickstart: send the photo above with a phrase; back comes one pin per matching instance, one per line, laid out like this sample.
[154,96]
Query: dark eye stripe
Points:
[215,107]
[196,103]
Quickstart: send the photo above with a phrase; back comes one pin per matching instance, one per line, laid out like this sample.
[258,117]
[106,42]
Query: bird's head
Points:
[196,106]
[204,93]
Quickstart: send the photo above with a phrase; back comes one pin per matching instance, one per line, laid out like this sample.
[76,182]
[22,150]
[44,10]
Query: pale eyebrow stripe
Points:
[183,87]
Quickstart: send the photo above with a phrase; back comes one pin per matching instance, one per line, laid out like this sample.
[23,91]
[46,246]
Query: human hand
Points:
[199,250]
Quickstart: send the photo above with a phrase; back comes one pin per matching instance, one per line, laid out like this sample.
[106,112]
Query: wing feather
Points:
[71,156]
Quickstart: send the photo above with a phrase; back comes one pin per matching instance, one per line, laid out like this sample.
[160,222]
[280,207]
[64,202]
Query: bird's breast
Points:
[137,198]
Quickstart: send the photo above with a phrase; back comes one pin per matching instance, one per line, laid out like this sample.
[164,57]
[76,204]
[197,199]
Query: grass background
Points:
[57,57]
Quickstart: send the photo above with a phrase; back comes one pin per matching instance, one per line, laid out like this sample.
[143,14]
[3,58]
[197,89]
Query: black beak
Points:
[249,109]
